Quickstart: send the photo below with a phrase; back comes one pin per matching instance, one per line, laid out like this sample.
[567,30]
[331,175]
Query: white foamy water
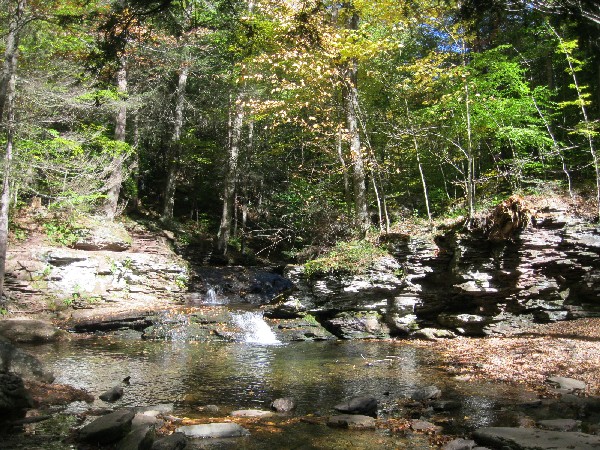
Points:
[254,329]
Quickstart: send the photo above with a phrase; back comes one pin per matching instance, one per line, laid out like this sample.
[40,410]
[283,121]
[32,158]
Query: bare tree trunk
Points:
[358,168]
[231,175]
[416,145]
[116,180]
[340,154]
[175,147]
[7,101]
[470,181]
[586,120]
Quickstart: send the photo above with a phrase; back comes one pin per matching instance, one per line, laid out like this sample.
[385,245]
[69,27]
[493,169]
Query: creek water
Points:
[249,375]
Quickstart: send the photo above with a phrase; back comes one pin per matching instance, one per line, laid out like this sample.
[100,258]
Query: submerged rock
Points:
[426,393]
[560,424]
[351,421]
[365,405]
[213,430]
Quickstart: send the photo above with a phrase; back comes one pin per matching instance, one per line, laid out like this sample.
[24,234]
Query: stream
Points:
[252,371]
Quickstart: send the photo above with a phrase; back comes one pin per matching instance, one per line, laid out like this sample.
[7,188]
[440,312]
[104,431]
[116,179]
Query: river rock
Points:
[560,424]
[426,393]
[358,325]
[466,324]
[13,359]
[175,441]
[108,428]
[251,413]
[146,419]
[567,384]
[433,334]
[140,438]
[213,430]
[351,421]
[459,444]
[365,405]
[13,396]
[283,405]
[30,331]
[112,395]
[535,439]
[424,426]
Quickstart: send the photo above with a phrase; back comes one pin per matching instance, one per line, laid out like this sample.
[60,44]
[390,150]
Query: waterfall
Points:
[254,329]
[213,298]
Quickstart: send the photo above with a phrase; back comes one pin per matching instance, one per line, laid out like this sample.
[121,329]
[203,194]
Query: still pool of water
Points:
[241,375]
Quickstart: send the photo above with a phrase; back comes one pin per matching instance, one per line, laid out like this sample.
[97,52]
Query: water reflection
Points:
[236,375]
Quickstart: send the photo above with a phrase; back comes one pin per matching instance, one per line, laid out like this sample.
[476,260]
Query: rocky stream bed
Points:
[519,312]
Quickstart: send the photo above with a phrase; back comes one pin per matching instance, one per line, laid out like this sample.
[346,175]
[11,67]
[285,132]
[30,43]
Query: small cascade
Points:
[213,298]
[254,329]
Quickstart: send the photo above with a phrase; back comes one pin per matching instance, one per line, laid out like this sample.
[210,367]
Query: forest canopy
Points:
[295,123]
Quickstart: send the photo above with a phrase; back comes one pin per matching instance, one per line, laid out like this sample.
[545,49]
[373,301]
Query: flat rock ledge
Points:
[535,439]
[213,430]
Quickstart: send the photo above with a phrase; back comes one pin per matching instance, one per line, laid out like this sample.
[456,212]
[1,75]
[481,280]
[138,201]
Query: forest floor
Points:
[569,349]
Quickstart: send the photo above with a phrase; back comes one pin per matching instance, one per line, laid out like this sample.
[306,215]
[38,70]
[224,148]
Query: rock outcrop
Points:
[520,267]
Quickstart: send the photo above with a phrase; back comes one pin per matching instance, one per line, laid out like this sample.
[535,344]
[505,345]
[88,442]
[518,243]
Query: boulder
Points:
[112,395]
[351,421]
[109,428]
[13,396]
[535,439]
[283,405]
[140,438]
[30,331]
[175,441]
[213,430]
[304,329]
[426,393]
[358,325]
[13,359]
[365,405]
[142,419]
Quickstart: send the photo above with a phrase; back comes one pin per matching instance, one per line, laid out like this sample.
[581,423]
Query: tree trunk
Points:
[116,178]
[231,175]
[7,101]
[175,147]
[351,107]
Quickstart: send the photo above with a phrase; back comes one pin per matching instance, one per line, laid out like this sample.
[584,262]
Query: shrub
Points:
[352,257]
